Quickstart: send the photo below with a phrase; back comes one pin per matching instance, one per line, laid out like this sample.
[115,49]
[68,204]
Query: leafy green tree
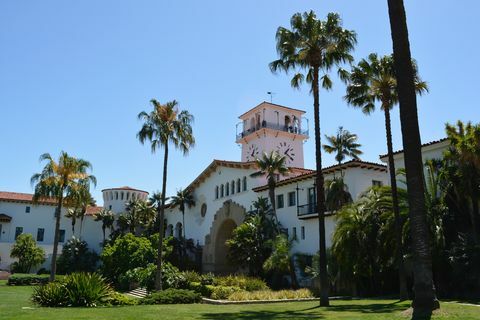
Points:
[310,47]
[183,199]
[107,219]
[27,252]
[63,181]
[76,257]
[271,166]
[125,253]
[373,80]
[163,126]
[425,298]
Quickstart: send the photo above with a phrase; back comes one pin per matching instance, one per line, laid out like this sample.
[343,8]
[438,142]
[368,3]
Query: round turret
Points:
[115,199]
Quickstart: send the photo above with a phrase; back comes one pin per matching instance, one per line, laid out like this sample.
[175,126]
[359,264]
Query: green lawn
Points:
[15,304]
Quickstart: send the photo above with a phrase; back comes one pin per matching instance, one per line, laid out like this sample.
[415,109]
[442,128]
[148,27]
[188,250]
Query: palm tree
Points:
[60,180]
[107,218]
[271,166]
[182,199]
[343,144]
[425,299]
[337,194]
[309,47]
[73,214]
[372,80]
[463,158]
[163,126]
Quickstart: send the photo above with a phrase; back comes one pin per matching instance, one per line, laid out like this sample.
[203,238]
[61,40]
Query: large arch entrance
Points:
[215,251]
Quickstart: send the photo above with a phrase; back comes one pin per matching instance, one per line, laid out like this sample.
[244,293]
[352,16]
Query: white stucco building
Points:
[223,192]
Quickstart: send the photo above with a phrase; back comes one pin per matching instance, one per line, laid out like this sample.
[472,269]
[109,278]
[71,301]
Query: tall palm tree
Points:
[373,80]
[60,180]
[107,218]
[183,199]
[163,126]
[310,47]
[425,299]
[271,166]
[343,144]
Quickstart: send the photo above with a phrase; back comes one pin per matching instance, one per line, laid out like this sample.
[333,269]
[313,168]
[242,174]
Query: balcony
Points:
[309,210]
[274,126]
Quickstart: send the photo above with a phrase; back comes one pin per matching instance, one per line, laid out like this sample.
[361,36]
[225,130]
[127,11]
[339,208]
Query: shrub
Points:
[244,283]
[145,277]
[118,299]
[76,257]
[191,276]
[22,279]
[172,296]
[207,278]
[74,290]
[126,253]
[223,292]
[204,289]
[27,251]
[270,295]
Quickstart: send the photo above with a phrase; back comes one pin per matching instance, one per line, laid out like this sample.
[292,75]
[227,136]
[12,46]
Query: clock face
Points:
[252,153]
[286,150]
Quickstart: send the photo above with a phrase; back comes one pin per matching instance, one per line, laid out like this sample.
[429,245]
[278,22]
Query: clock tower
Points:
[271,127]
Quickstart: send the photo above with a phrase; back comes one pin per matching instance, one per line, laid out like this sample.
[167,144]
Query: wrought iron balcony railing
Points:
[268,125]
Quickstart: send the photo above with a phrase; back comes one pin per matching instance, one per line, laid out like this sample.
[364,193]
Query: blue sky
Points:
[74,75]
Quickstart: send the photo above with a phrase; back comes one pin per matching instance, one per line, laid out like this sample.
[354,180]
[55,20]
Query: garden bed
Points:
[229,302]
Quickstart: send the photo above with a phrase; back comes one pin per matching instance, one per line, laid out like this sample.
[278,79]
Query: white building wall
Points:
[42,216]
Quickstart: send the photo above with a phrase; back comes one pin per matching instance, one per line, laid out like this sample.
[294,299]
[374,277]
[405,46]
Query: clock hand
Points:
[286,151]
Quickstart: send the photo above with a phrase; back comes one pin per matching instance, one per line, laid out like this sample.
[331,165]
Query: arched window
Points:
[227,189]
[128,195]
[216,192]
[116,195]
[121,196]
[178,231]
[239,185]
[233,186]
[111,195]
[134,195]
[222,191]
[169,230]
[244,183]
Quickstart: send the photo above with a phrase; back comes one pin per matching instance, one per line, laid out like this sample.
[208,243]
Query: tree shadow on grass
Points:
[293,314]
[368,308]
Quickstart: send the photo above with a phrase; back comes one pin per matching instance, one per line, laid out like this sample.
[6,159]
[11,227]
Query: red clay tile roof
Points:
[349,164]
[423,145]
[23,197]
[28,198]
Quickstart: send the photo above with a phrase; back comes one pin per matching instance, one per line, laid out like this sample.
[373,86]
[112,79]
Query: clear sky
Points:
[75,74]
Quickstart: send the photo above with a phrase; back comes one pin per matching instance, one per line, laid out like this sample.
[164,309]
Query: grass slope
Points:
[15,304]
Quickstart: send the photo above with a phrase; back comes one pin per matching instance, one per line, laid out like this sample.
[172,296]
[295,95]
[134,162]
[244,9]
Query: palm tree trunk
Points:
[184,243]
[402,278]
[53,268]
[161,216]
[273,202]
[319,180]
[425,300]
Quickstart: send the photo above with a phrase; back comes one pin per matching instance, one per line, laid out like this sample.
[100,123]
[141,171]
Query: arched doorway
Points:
[221,249]
[214,256]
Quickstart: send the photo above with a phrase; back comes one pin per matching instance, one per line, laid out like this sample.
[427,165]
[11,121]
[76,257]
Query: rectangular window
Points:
[40,233]
[61,238]
[280,203]
[302,231]
[27,209]
[311,196]
[244,183]
[227,189]
[292,199]
[0,231]
[377,183]
[18,231]
[294,232]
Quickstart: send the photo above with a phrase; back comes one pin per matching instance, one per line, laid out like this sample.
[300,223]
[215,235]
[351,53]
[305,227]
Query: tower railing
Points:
[268,125]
